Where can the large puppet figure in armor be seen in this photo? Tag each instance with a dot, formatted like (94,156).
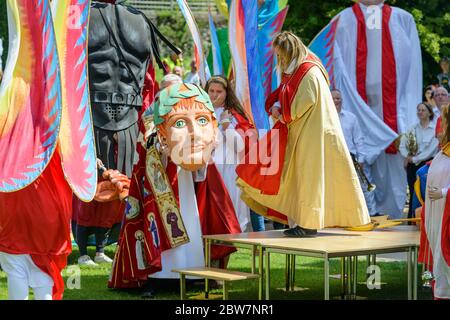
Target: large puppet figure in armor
(119,55)
(122,44)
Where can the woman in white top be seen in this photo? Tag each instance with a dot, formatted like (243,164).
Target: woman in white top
(234,127)
(426,147)
(435,247)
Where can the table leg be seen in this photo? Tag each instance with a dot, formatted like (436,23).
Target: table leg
(183,287)
(225,290)
(409,262)
(208,264)
(253,259)
(267,263)
(326,271)
(288,271)
(416,262)
(348,281)
(355,276)
(261,273)
(350,278)
(343,278)
(292,273)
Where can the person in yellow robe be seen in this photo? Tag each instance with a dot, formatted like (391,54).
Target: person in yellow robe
(310,177)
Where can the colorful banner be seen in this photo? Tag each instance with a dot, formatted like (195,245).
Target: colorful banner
(30,95)
(222,36)
(268,64)
(269,9)
(236,33)
(323,46)
(254,67)
(243,26)
(223,6)
(71,20)
(199,56)
(44,96)
(215,48)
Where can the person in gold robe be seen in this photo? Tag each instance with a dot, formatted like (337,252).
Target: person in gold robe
(309,177)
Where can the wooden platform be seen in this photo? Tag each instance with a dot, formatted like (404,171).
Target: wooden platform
(214,274)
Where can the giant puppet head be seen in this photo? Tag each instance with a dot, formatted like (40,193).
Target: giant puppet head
(186,123)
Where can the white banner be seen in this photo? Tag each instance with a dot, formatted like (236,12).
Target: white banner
(1,52)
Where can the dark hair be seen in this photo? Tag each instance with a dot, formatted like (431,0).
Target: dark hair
(429,108)
(430,87)
(444,59)
(231,101)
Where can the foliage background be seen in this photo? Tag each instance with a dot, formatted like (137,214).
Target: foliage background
(173,26)
(307,18)
(3,30)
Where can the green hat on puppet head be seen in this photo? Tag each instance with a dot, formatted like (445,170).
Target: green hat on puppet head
(170,96)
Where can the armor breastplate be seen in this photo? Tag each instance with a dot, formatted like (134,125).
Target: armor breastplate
(115,110)
(116,77)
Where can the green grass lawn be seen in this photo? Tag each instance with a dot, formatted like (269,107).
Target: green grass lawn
(309,277)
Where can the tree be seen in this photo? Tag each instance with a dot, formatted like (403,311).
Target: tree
(173,26)
(3,30)
(307,18)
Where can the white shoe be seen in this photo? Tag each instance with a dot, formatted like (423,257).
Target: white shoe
(102,258)
(86,261)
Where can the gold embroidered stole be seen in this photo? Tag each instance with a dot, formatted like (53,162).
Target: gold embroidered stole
(165,198)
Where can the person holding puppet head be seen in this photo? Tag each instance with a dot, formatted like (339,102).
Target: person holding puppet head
(176,194)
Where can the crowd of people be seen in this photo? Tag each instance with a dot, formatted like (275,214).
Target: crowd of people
(417,146)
